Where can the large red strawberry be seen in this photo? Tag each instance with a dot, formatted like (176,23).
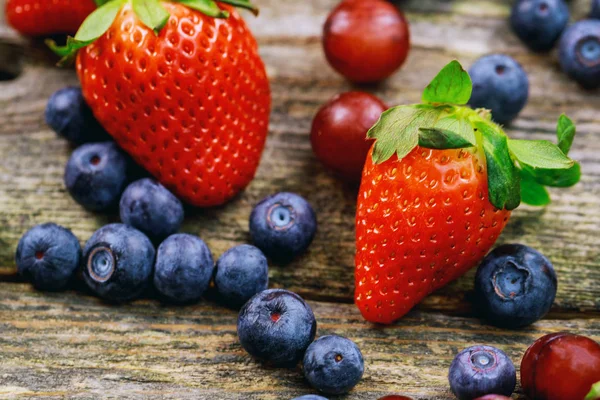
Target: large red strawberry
(181,90)
(47,17)
(437,190)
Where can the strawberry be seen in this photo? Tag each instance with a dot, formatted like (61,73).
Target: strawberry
(422,222)
(437,190)
(181,87)
(47,17)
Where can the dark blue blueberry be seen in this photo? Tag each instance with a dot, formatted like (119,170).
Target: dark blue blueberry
(283,226)
(118,261)
(515,286)
(242,272)
(580,53)
(68,115)
(595,13)
(500,85)
(539,23)
(480,370)
(333,364)
(150,207)
(184,268)
(310,397)
(47,256)
(276,326)
(96,175)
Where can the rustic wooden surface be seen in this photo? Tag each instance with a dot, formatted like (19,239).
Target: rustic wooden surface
(72,345)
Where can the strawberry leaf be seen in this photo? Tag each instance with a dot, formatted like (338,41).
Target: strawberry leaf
(594,394)
(68,50)
(397,130)
(242,4)
(438,138)
(550,166)
(517,170)
(565,130)
(533,193)
(151,13)
(98,22)
(539,154)
(459,125)
(207,7)
(553,177)
(504,180)
(94,26)
(451,86)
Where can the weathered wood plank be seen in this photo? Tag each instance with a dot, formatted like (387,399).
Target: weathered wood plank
(68,344)
(32,159)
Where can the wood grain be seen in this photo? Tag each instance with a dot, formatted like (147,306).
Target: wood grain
(32,159)
(70,345)
(54,345)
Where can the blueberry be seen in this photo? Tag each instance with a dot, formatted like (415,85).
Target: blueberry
(242,272)
(276,326)
(184,268)
(69,116)
(48,255)
(579,53)
(515,286)
(500,85)
(539,23)
(595,13)
(96,175)
(118,261)
(150,207)
(310,397)
(333,364)
(480,370)
(283,226)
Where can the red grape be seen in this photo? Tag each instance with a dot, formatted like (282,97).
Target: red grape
(339,132)
(366,40)
(560,366)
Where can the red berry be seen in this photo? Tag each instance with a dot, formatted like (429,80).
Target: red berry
(190,104)
(421,222)
(46,17)
(339,132)
(366,41)
(395,397)
(560,366)
(437,189)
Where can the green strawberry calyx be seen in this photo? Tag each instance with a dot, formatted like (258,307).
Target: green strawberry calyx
(150,12)
(518,170)
(594,394)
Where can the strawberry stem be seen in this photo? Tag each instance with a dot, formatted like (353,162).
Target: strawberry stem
(445,122)
(594,394)
(150,12)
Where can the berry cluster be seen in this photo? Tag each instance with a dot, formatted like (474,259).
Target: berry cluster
(278,327)
(557,366)
(446,156)
(541,24)
(119,262)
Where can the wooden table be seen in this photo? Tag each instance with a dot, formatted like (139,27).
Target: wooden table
(72,345)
